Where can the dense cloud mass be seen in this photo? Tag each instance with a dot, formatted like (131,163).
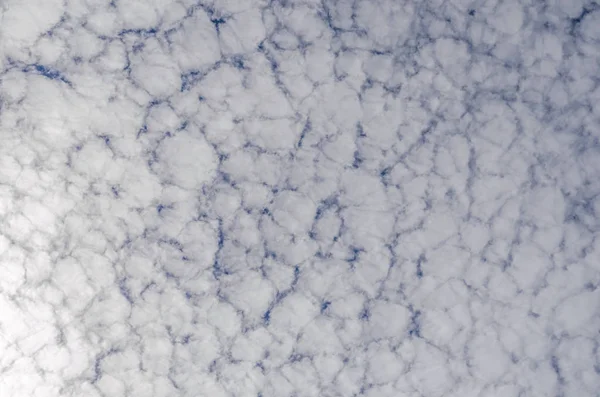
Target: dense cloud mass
(290,198)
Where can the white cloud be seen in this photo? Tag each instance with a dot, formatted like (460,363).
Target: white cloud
(305,198)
